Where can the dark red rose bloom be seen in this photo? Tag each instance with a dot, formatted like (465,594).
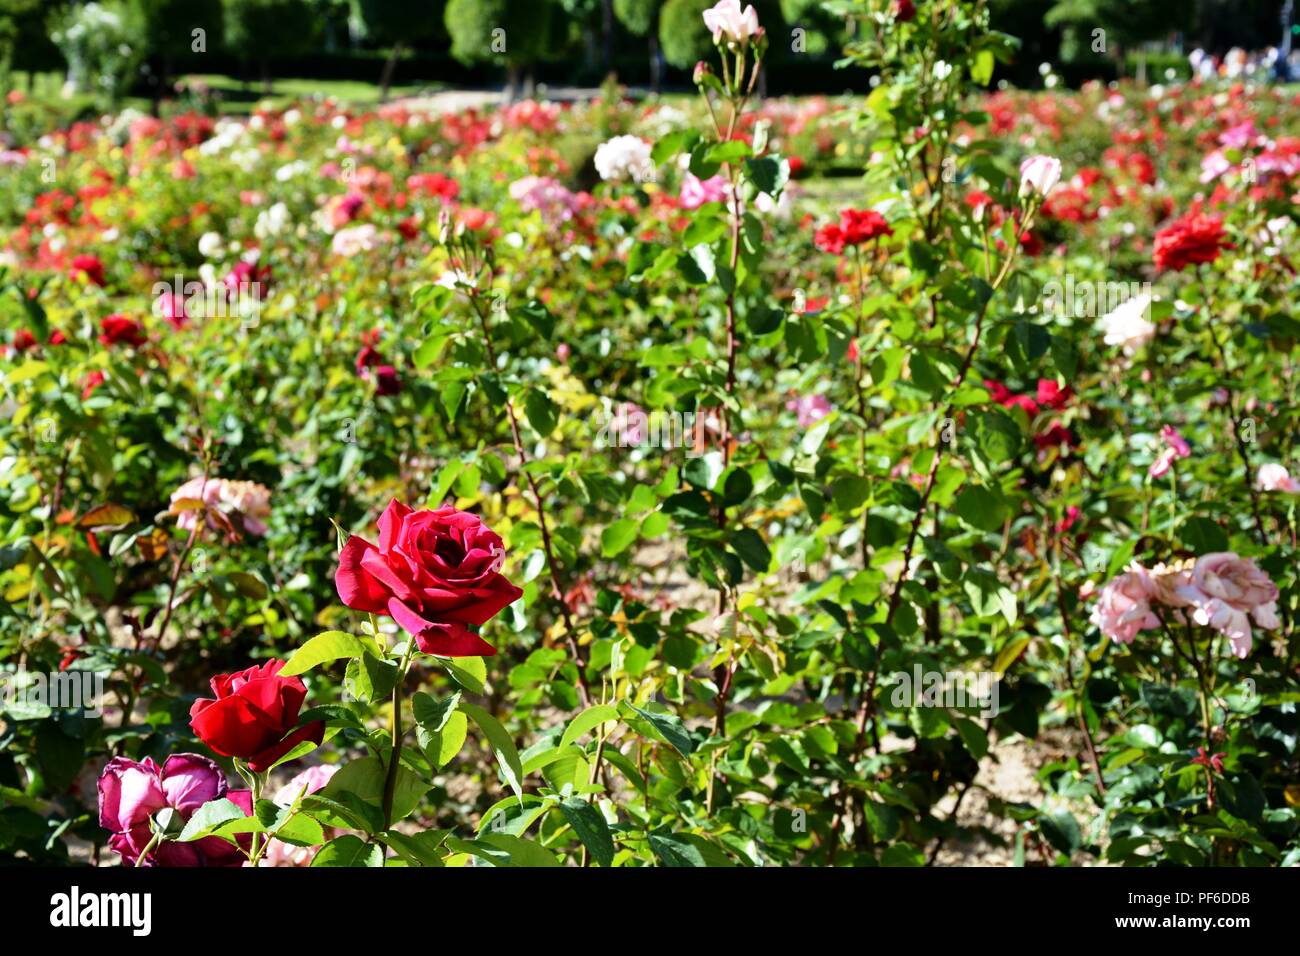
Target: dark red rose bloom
(367,357)
(387,381)
(904,10)
(1051,395)
(57,337)
(1193,239)
(89,266)
(829,239)
(90,383)
(863,225)
(1055,437)
(118,329)
(1009,399)
(24,340)
(436,573)
(247,279)
(254,715)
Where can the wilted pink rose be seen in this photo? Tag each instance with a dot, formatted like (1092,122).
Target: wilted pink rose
(246,502)
(1274,477)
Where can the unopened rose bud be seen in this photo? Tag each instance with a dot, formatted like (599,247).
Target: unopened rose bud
(701,71)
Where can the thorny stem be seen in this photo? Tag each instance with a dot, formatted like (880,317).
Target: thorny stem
(557,588)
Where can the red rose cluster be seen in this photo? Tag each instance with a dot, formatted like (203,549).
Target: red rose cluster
(855,227)
(370,361)
(1191,240)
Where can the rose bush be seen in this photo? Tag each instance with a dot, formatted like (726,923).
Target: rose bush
(682,454)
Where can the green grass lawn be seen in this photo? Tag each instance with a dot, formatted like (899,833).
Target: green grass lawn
(46,89)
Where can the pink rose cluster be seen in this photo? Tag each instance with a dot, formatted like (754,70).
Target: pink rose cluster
(1222,591)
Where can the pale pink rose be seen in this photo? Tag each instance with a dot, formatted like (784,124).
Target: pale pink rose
(356,239)
(1214,165)
(312,779)
(1273,477)
(726,19)
(1226,592)
(696,192)
(1124,605)
(1039,175)
(246,502)
(279,853)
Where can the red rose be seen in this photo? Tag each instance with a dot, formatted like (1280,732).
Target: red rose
(90,383)
(904,10)
(117,329)
(434,572)
(862,225)
(829,239)
(1051,395)
(387,381)
(24,340)
(253,714)
(1195,238)
(89,266)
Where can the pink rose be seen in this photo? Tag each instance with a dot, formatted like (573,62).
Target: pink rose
(1175,447)
(1124,605)
(1274,477)
(696,192)
(726,19)
(1226,592)
(1039,175)
(131,793)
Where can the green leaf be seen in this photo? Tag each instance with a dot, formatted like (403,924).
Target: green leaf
(370,679)
(502,746)
(1061,830)
(208,818)
(323,648)
(538,316)
(666,727)
(751,547)
(616,538)
(468,672)
(363,778)
(349,850)
(541,411)
(589,719)
(590,826)
(768,173)
(980,508)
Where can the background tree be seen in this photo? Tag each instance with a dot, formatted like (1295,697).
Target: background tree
(258,31)
(515,33)
(168,32)
(1126,23)
(399,22)
(641,18)
(682,35)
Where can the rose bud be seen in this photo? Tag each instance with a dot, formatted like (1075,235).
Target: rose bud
(254,715)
